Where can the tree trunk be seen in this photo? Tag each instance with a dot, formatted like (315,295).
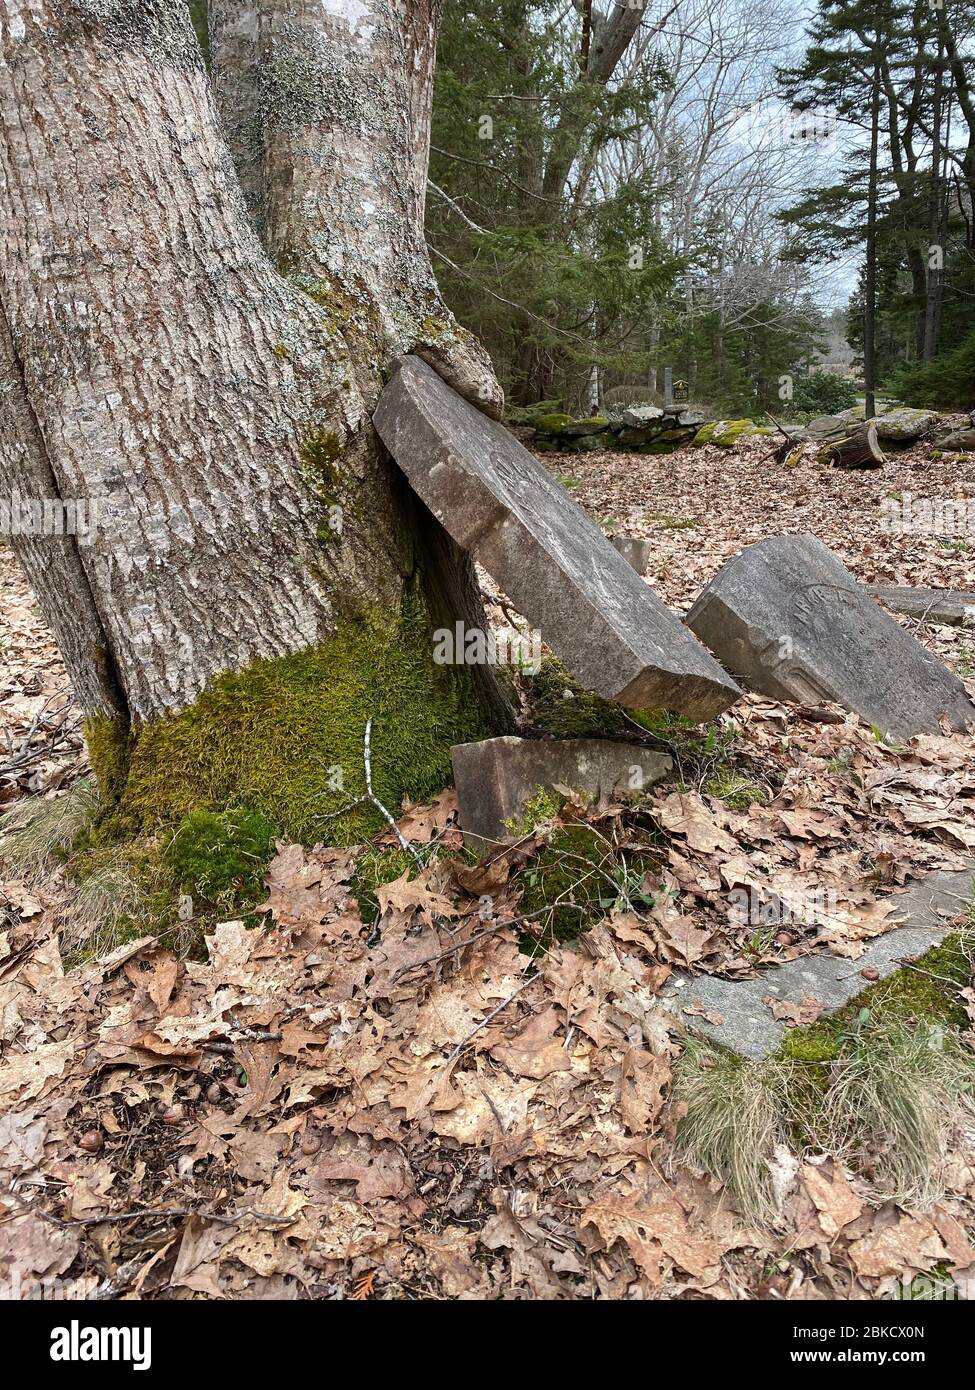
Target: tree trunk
(936,221)
(870,277)
(214,412)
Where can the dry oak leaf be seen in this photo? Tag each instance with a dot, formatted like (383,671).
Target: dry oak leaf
(487,1107)
(644,1079)
(406,895)
(294,892)
(31,1245)
(449,1257)
(382,1173)
(832,1195)
(697,1010)
(161,980)
(678,937)
(481,880)
(793,1014)
(685,813)
(448,1015)
(228,953)
(652,1230)
(31,1072)
(113,959)
(536,1050)
(847,931)
(419,824)
(349,1230)
(909,1244)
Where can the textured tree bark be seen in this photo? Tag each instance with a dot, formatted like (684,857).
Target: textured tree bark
(213,412)
(337,164)
(234,50)
(52,562)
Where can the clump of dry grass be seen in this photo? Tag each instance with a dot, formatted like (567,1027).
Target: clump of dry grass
(108,903)
(890,1104)
(885,1106)
(35,835)
(734,1119)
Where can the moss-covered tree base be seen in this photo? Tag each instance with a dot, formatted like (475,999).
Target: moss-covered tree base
(285,738)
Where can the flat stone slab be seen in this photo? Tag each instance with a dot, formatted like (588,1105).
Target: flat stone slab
(932,605)
(787,616)
(962,440)
(639,416)
(497,501)
(496,777)
(748,1026)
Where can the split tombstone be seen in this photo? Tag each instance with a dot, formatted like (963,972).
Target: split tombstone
(787,617)
(497,501)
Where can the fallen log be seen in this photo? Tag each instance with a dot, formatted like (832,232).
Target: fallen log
(857,450)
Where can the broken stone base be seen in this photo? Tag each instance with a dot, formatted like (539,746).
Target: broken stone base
(497,777)
(635,551)
(747,1025)
(788,617)
(930,605)
(496,501)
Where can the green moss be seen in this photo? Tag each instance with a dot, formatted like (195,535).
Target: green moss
(735,790)
(659,446)
(347,309)
(672,523)
(544,806)
(435,328)
(108,752)
(221,857)
(319,450)
(285,737)
(553,424)
(726,433)
(562,708)
(906,996)
(580,877)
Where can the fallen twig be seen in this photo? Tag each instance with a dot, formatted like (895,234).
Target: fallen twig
(372,799)
(488,931)
(529,979)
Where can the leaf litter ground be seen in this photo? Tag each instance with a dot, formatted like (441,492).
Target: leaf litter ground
(435,1104)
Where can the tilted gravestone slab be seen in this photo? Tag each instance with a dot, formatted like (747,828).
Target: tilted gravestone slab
(496,777)
(496,500)
(787,616)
